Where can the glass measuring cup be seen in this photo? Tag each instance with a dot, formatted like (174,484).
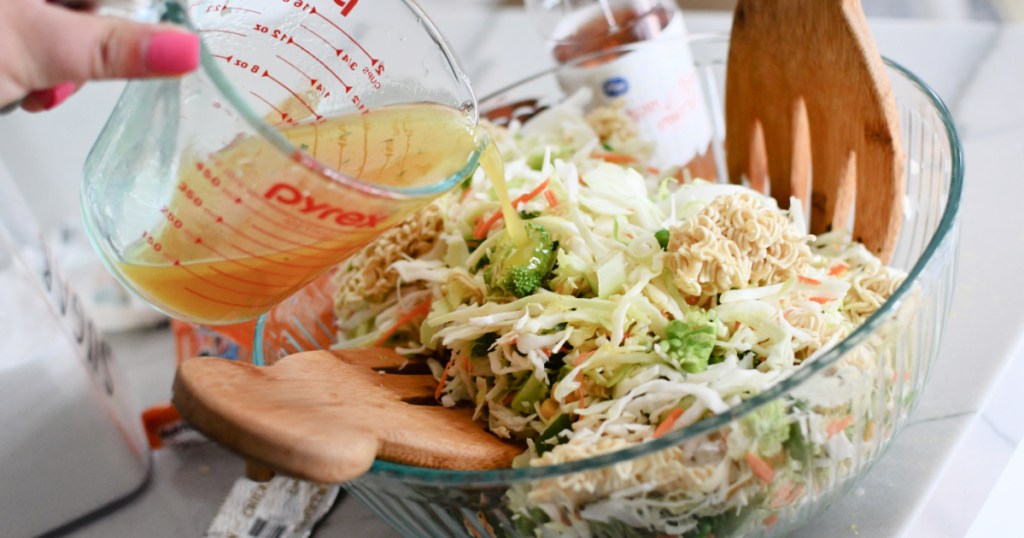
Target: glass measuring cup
(311,127)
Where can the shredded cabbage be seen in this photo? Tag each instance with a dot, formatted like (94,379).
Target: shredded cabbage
(608,345)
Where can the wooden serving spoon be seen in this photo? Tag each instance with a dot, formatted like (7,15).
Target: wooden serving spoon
(325,416)
(806,85)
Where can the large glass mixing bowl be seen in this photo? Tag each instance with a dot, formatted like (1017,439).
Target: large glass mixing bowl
(875,377)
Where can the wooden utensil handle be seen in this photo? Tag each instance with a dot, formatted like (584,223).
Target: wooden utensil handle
(255,413)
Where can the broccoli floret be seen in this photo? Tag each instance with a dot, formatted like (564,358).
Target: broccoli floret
(550,437)
(704,528)
(663,236)
(482,346)
(689,343)
(798,447)
(521,269)
(768,427)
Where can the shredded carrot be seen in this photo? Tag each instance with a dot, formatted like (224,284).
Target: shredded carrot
(419,310)
(795,494)
(582,357)
(838,425)
(581,394)
(781,494)
(735,326)
(444,377)
(667,424)
(692,300)
(770,520)
(484,225)
(820,300)
(839,269)
(532,194)
(809,280)
(616,158)
(760,468)
(653,171)
(552,200)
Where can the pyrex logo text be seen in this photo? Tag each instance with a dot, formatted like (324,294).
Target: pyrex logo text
(291,196)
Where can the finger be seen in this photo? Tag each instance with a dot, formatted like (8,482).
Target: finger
(81,47)
(49,98)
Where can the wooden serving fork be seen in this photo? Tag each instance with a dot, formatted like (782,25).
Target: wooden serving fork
(806,86)
(326,415)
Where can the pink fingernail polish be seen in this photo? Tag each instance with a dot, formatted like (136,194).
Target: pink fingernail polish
(172,53)
(51,97)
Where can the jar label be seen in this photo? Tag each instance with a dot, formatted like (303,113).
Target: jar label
(660,90)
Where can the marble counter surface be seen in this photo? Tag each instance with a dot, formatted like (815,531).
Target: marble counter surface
(939,475)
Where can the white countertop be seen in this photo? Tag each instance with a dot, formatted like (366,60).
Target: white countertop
(953,465)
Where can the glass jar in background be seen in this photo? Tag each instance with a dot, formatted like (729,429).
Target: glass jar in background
(668,106)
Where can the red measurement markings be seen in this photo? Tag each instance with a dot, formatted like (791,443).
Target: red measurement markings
(220,220)
(199,241)
(348,35)
(292,242)
(322,38)
(255,212)
(289,222)
(197,276)
(221,31)
(266,74)
(321,62)
(225,7)
(215,180)
(290,218)
(225,58)
(247,281)
(226,303)
(301,5)
(284,116)
(237,246)
(312,81)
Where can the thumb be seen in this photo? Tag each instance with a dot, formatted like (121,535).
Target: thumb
(81,47)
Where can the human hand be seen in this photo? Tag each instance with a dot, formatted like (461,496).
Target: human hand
(47,51)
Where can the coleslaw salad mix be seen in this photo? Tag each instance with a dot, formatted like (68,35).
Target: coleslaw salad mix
(643,302)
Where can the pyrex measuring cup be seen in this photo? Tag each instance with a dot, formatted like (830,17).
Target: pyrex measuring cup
(311,127)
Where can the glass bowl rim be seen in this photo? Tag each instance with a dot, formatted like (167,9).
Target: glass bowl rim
(943,232)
